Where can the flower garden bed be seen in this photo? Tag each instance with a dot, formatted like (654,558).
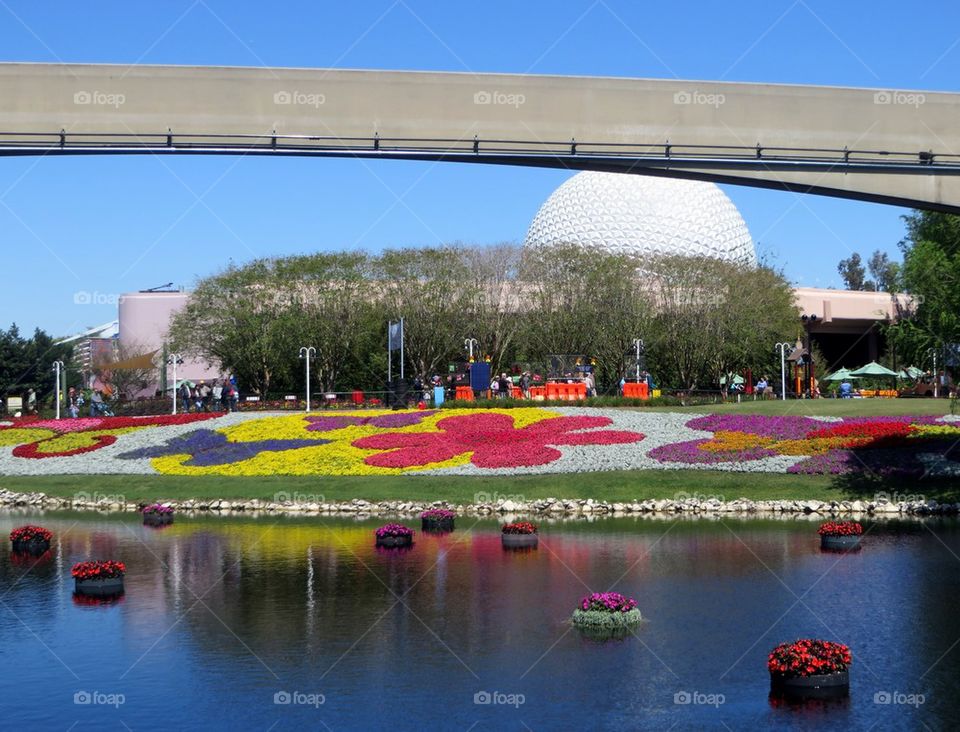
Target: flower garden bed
(519,535)
(810,668)
(99,578)
(524,440)
(840,535)
(437,520)
(607,611)
(393,536)
(157,514)
(30,539)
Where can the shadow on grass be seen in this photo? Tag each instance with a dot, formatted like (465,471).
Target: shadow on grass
(866,486)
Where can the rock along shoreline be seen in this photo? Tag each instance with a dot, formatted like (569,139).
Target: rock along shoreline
(880,506)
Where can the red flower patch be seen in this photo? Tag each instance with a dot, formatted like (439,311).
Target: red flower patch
(868,434)
(491,439)
(32,449)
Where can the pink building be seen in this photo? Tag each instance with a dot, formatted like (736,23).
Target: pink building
(144,326)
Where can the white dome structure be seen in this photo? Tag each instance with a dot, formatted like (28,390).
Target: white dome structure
(643,216)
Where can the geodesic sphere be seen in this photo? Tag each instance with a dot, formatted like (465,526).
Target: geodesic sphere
(643,216)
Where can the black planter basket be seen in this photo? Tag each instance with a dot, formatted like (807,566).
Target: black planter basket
(99,587)
(437,524)
(848,543)
(394,541)
(519,541)
(31,546)
(819,686)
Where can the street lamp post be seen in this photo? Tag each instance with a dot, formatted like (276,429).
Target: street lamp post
(58,367)
(174,359)
(936,375)
(783,368)
(638,345)
(306,353)
(470,344)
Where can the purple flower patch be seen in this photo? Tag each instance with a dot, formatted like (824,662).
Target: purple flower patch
(781,428)
(386,421)
(691,454)
(208,448)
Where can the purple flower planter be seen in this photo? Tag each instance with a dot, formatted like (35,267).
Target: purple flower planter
(394,541)
(437,524)
(157,519)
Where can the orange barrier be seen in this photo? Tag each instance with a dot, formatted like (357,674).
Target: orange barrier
(464,393)
(538,393)
(636,390)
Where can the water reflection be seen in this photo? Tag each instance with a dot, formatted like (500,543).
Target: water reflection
(221,614)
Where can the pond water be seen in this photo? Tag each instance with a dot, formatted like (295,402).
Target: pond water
(223,618)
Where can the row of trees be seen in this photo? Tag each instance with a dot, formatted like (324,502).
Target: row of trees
(699,318)
(930,273)
(25,363)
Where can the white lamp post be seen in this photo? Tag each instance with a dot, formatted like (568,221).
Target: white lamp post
(470,344)
(783,368)
(57,368)
(638,345)
(174,359)
(936,375)
(306,353)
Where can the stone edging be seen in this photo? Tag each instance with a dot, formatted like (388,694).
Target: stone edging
(554,507)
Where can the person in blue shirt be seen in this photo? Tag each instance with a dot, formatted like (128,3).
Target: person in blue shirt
(846,390)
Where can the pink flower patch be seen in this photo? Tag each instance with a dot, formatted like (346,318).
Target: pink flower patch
(492,440)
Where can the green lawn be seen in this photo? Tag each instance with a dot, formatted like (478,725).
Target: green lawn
(610,486)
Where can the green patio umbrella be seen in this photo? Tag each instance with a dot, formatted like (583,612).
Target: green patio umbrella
(840,375)
(873,369)
(911,372)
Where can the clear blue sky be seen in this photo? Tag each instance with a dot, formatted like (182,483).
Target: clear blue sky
(69,225)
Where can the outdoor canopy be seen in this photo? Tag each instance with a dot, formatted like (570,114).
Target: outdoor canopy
(873,369)
(840,375)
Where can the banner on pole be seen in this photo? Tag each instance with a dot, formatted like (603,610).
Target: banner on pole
(395,336)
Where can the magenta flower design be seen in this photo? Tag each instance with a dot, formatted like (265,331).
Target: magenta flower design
(492,441)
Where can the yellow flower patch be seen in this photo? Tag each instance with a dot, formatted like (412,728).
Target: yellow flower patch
(22,436)
(79,440)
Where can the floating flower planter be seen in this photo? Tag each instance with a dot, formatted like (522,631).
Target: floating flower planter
(840,535)
(394,535)
(30,539)
(607,611)
(99,578)
(810,669)
(437,519)
(519,535)
(157,515)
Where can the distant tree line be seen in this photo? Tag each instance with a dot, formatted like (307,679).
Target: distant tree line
(26,363)
(698,317)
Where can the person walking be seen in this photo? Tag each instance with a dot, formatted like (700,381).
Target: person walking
(184,393)
(31,401)
(216,394)
(504,384)
(525,384)
(73,409)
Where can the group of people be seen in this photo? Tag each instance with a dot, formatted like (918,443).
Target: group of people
(203,397)
(98,405)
